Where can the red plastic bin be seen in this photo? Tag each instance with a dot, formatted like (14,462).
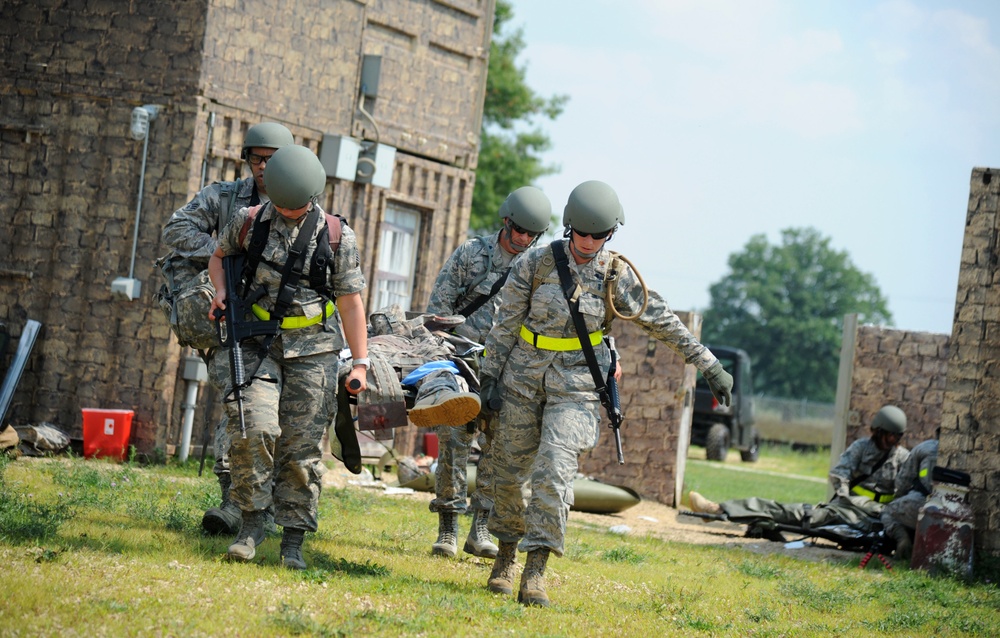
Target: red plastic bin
(431,444)
(106,433)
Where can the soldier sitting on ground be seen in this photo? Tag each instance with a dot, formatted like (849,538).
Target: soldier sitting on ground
(863,481)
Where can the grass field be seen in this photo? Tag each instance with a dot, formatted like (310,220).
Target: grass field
(99,549)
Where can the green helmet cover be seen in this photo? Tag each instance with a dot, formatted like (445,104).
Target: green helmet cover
(294,176)
(529,208)
(593,207)
(891,419)
(266,135)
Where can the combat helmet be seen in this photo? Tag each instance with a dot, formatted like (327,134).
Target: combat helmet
(294,176)
(266,135)
(890,419)
(529,208)
(593,207)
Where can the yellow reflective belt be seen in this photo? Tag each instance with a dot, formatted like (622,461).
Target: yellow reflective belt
(878,498)
(291,323)
(923,473)
(561,344)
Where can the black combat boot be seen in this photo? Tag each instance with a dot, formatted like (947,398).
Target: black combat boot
(226,518)
(291,548)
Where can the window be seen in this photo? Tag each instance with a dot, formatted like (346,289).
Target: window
(397,257)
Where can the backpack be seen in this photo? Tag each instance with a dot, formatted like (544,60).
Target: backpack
(186,297)
(547,264)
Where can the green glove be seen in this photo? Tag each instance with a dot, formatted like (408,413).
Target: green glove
(721,383)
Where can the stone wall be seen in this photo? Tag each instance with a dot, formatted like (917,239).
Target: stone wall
(970,423)
(72,73)
(902,368)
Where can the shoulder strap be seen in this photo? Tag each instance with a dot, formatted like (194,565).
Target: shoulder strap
(544,269)
(875,470)
(572,291)
(227,200)
(327,244)
(478,302)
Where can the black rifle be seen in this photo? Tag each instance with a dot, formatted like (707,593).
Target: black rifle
(240,325)
(612,402)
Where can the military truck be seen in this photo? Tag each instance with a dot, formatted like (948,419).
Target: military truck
(717,427)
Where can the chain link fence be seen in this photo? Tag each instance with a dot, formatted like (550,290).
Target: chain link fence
(794,421)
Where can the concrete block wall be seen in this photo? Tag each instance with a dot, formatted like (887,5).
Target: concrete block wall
(970,421)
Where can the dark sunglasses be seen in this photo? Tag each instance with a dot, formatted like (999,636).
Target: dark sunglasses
(524,231)
(256,159)
(594,235)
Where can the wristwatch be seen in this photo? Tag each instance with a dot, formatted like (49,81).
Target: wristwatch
(366,362)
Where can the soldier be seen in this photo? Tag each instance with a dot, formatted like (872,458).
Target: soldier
(913,486)
(536,369)
(189,233)
(293,398)
(863,481)
(468,286)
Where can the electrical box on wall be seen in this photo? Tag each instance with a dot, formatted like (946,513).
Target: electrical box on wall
(339,156)
(371,70)
(126,288)
(376,164)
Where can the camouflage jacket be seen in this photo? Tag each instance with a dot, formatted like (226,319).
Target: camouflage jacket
(918,468)
(471,271)
(543,310)
(858,462)
(345,279)
(191,231)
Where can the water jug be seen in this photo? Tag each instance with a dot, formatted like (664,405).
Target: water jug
(943,541)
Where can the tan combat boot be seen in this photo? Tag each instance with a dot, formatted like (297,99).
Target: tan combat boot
(447,541)
(502,577)
(479,542)
(249,538)
(445,407)
(532,592)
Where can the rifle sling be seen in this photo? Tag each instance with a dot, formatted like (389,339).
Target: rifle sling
(478,302)
(569,291)
(875,469)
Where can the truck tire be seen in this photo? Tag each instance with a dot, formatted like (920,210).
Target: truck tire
(752,454)
(717,442)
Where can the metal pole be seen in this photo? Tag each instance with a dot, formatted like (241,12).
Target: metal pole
(138,206)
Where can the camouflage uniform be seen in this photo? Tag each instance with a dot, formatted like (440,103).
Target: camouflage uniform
(853,507)
(470,271)
(189,234)
(293,397)
(913,484)
(550,413)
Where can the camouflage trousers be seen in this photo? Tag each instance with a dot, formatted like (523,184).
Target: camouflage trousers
(857,512)
(539,439)
(287,409)
(902,512)
(219,378)
(451,475)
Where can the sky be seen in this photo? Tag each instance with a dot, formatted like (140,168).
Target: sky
(715,120)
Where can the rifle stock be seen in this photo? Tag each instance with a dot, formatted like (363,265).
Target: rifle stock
(240,325)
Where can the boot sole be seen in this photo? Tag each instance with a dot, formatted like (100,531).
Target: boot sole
(447,552)
(532,601)
(454,412)
(500,589)
(484,553)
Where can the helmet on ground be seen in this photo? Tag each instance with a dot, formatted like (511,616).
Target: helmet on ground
(294,176)
(891,419)
(593,207)
(529,208)
(266,135)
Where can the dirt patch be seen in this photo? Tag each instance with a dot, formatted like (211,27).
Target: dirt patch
(649,518)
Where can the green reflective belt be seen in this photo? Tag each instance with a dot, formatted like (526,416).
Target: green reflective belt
(291,323)
(878,498)
(561,344)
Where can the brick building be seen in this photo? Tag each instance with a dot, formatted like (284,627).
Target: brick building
(72,73)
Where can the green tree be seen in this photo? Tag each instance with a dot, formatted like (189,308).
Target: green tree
(785,305)
(508,157)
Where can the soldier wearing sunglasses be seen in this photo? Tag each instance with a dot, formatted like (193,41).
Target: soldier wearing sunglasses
(536,371)
(468,285)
